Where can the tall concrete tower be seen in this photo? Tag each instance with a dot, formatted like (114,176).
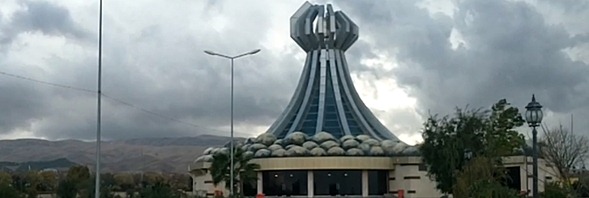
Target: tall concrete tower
(325,98)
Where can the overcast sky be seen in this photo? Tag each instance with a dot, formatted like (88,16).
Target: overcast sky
(412,57)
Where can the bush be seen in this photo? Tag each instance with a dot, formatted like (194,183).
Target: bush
(66,189)
(554,190)
(159,190)
(8,191)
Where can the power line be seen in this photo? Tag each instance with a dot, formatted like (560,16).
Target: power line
(146,111)
(128,104)
(47,83)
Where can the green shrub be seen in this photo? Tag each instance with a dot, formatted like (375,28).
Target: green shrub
(554,190)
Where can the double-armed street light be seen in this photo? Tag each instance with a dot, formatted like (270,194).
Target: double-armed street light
(534,118)
(231,155)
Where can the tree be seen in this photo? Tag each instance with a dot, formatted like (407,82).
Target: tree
(108,180)
(564,150)
(555,190)
(79,176)
(5,178)
(581,187)
(26,183)
(67,189)
(49,181)
(244,170)
(152,178)
(158,190)
(480,179)
(480,133)
(8,191)
(32,182)
(180,181)
(89,188)
(125,181)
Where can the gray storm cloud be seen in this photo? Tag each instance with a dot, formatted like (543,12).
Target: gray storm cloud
(158,67)
(48,18)
(153,60)
(510,51)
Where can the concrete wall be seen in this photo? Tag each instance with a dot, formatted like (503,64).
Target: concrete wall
(405,173)
(410,176)
(202,185)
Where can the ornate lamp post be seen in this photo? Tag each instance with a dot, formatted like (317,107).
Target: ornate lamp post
(232,140)
(534,118)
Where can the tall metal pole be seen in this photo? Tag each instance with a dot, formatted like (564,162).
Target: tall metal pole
(231,145)
(99,105)
(535,162)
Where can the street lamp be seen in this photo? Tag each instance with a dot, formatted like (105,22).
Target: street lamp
(534,118)
(99,104)
(232,140)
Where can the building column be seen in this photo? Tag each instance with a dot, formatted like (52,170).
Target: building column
(310,184)
(364,183)
(260,183)
(524,175)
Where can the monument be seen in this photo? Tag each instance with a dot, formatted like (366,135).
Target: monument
(327,142)
(325,98)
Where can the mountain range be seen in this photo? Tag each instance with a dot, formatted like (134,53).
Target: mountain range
(132,155)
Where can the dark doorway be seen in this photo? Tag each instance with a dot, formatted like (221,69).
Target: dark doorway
(513,178)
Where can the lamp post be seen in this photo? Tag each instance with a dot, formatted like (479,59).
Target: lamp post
(99,103)
(232,140)
(534,118)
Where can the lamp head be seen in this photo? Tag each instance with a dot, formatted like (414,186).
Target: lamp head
(254,51)
(211,53)
(534,113)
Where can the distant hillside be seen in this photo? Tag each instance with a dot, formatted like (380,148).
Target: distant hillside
(203,140)
(148,154)
(58,164)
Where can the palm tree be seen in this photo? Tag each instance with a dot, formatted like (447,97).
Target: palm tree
(245,171)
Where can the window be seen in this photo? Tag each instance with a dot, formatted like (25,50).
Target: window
(338,182)
(377,182)
(278,183)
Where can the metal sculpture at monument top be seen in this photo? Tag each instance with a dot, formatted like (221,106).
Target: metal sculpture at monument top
(325,99)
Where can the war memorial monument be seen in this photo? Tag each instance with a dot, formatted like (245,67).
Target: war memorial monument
(327,141)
